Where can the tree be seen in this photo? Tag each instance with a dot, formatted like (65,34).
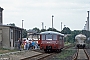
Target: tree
(87,33)
(42,30)
(36,29)
(66,30)
(11,24)
(24,34)
(71,37)
(50,29)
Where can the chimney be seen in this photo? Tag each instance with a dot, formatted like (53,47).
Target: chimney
(1,20)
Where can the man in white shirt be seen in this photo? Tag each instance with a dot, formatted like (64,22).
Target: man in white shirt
(27,44)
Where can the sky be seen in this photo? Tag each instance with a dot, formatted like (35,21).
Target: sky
(72,13)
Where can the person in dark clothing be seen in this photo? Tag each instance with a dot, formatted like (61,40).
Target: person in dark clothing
(30,45)
(19,44)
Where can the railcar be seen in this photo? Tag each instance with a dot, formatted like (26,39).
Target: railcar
(51,41)
(80,41)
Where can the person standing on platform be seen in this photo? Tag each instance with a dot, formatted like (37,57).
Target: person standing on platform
(30,45)
(36,45)
(19,44)
(27,44)
(33,44)
(24,43)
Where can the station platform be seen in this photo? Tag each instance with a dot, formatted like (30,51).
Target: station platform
(19,55)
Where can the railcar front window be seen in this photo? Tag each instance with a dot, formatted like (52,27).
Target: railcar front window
(54,37)
(43,37)
(48,37)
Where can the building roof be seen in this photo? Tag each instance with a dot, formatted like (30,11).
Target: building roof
(11,26)
(1,8)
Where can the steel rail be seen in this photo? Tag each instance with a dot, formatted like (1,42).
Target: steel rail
(86,54)
(75,56)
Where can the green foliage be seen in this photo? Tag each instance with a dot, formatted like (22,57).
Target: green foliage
(66,30)
(71,37)
(87,33)
(42,30)
(50,29)
(11,24)
(65,54)
(24,33)
(36,29)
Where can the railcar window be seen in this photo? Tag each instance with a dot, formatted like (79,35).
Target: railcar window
(43,37)
(61,38)
(48,37)
(54,37)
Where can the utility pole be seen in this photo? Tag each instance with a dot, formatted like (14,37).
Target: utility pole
(88,21)
(42,25)
(1,17)
(61,26)
(22,23)
(52,21)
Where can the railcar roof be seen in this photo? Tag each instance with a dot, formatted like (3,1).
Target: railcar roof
(51,32)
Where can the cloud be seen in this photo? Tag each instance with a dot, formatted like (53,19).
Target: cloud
(67,11)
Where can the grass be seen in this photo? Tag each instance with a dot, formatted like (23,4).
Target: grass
(66,53)
(66,44)
(3,50)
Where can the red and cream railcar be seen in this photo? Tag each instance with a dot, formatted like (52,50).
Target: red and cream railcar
(51,41)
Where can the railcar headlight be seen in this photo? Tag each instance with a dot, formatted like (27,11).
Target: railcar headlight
(48,42)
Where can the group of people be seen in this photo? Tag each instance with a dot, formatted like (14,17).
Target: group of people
(27,44)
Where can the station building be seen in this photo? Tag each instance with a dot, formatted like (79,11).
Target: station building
(9,34)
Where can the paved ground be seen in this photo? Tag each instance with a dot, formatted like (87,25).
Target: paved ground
(82,55)
(18,55)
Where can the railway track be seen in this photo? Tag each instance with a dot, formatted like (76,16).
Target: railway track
(81,54)
(30,55)
(38,57)
(43,55)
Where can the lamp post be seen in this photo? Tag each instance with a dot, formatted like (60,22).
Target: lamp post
(42,25)
(61,26)
(22,23)
(52,21)
(88,20)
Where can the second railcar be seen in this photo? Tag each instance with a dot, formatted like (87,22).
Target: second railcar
(51,41)
(80,41)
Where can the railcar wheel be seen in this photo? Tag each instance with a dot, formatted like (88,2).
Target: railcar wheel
(45,50)
(58,50)
(83,46)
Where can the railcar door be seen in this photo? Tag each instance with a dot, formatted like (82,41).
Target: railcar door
(60,41)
